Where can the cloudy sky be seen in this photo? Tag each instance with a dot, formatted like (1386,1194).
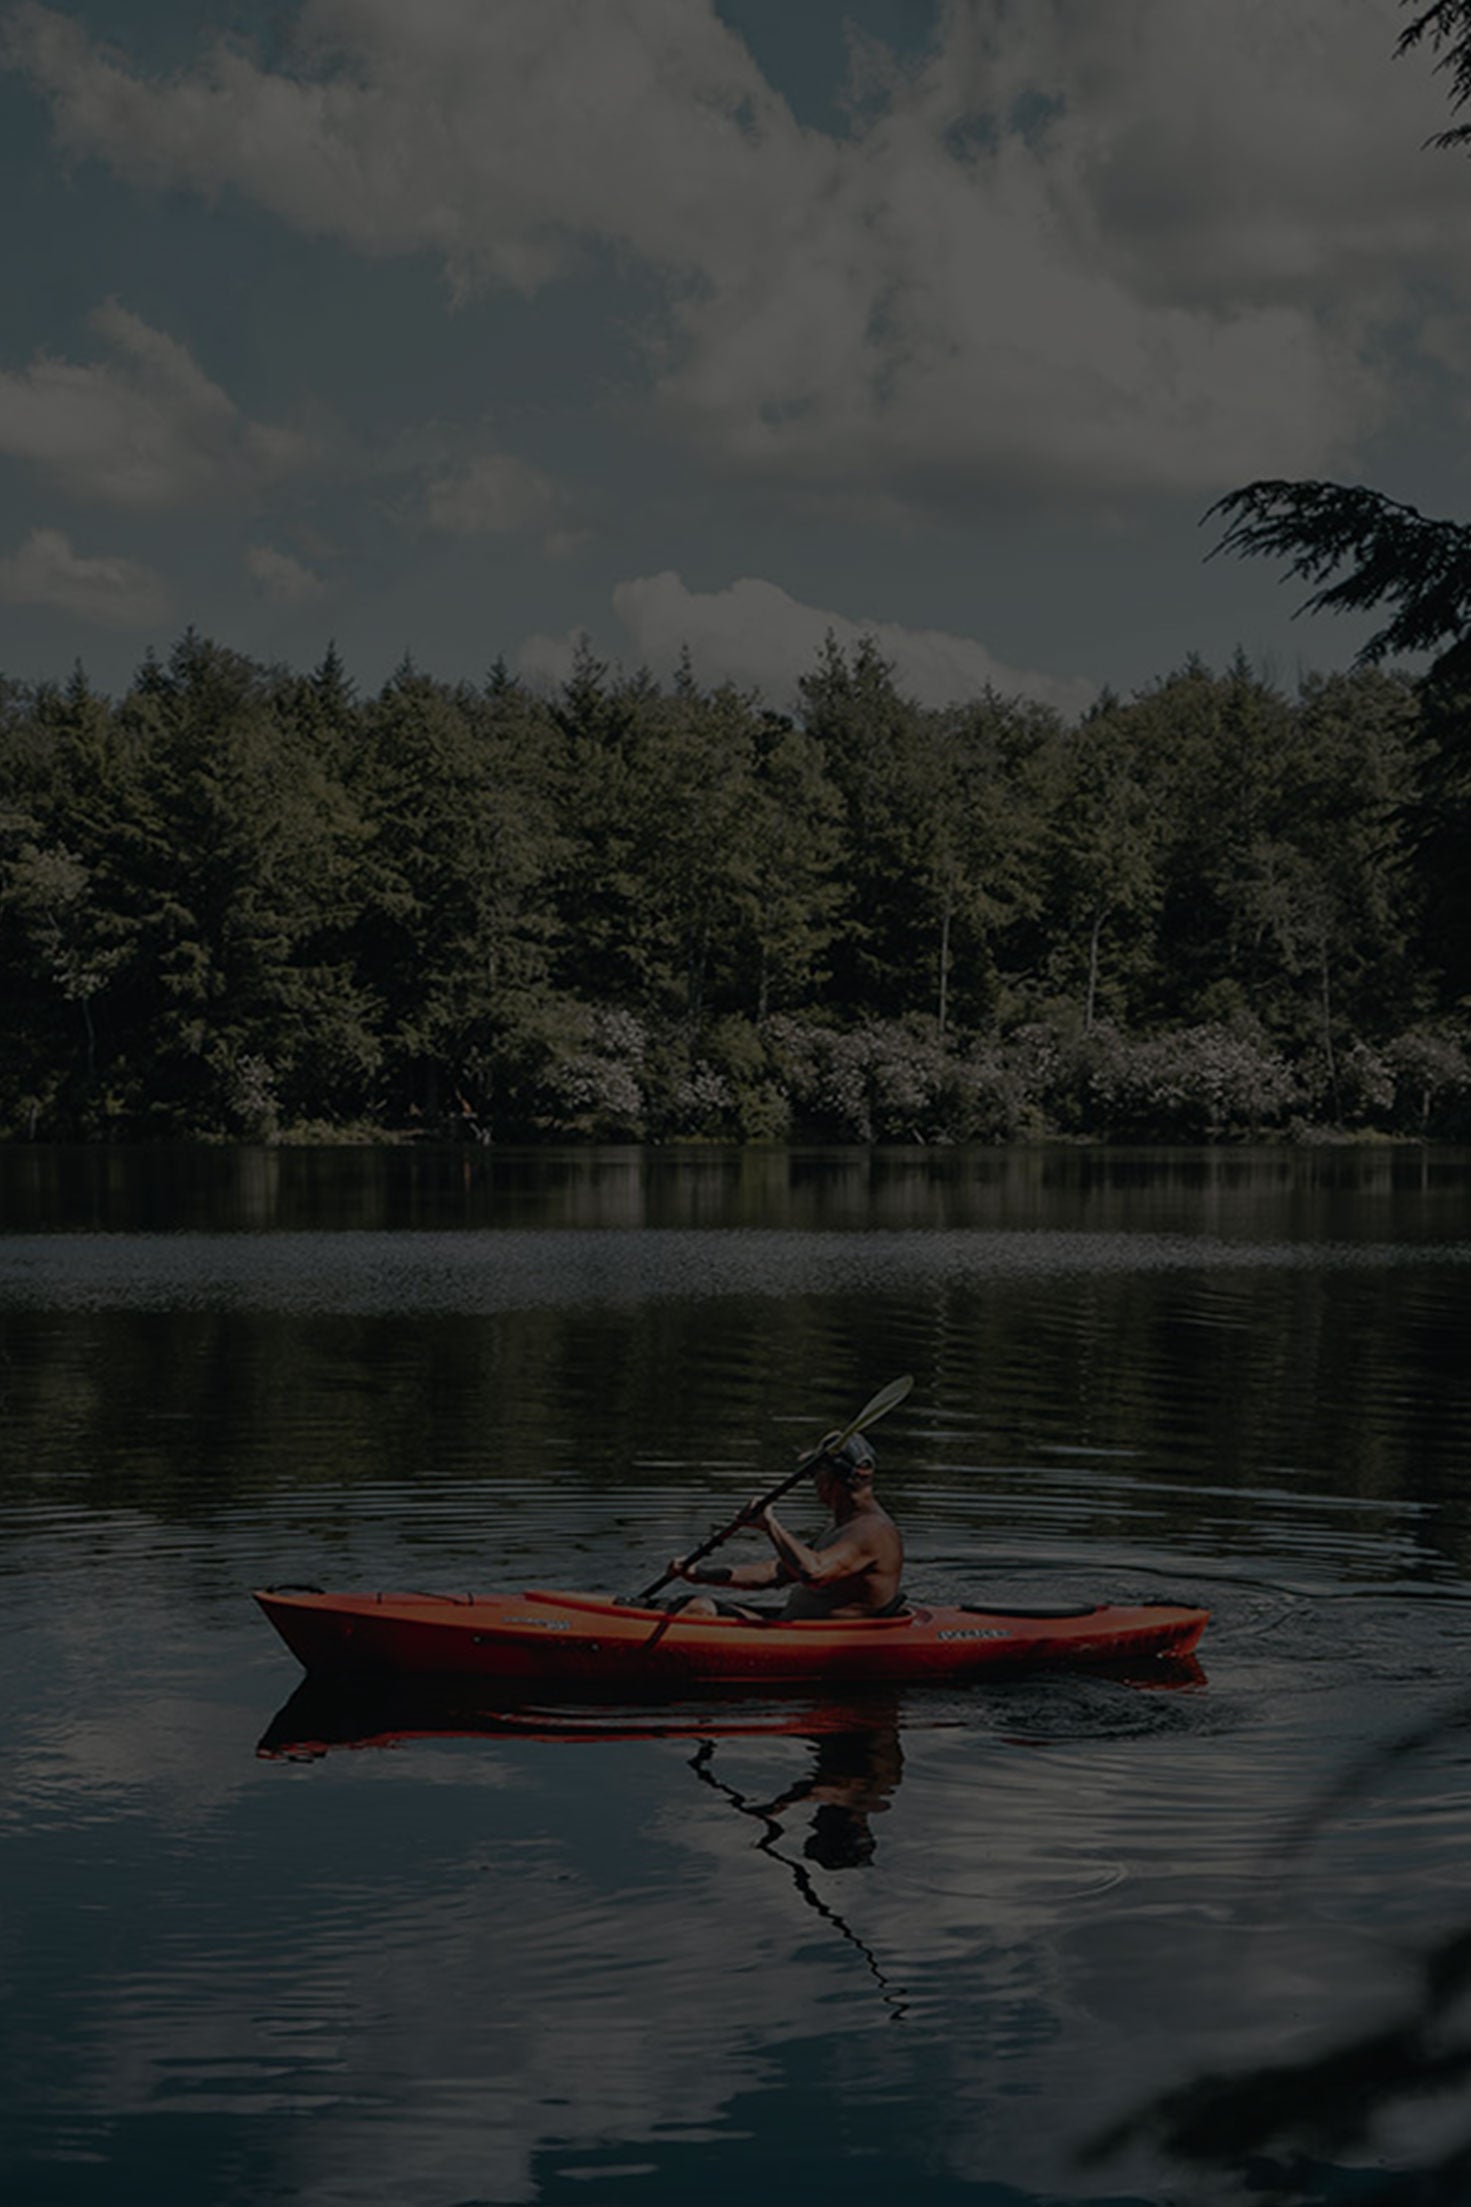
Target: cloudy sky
(464,326)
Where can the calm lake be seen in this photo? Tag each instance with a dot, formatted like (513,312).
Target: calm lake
(922,1946)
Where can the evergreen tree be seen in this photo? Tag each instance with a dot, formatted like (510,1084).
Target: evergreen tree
(454,927)
(56,885)
(793,888)
(1104,838)
(661,803)
(220,849)
(869,736)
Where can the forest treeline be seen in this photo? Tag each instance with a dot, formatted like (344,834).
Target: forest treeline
(241,901)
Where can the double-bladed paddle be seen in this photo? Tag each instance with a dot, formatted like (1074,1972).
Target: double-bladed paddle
(884,1401)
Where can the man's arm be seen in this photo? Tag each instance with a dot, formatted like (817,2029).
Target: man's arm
(816,1566)
(749,1576)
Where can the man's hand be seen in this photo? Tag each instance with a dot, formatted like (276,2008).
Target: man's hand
(682,1567)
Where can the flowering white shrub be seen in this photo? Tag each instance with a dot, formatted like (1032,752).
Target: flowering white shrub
(1431,1071)
(1197,1084)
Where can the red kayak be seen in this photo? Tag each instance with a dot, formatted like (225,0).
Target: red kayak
(560,1640)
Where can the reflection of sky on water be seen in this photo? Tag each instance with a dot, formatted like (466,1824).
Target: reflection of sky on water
(428,1273)
(452,1969)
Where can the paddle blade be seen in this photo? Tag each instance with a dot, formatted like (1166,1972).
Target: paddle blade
(887,1399)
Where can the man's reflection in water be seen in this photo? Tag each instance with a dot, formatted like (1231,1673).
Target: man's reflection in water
(853,1778)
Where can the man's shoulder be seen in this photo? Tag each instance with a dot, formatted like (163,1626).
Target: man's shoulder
(872,1529)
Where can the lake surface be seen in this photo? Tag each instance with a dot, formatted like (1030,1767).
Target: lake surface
(928,1944)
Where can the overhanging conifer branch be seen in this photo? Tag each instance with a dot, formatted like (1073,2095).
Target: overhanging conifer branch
(1446,27)
(1395,556)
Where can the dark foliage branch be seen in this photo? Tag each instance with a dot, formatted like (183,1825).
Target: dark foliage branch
(1277,2120)
(1266,2121)
(1395,556)
(1364,1772)
(1446,28)
(1262,2119)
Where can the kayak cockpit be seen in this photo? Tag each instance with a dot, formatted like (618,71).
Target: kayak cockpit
(600,1605)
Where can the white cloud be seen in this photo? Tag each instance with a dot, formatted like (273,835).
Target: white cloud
(118,593)
(501,138)
(284,580)
(757,636)
(1239,151)
(1175,282)
(146,430)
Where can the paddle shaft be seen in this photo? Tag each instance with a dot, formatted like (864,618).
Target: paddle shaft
(884,1401)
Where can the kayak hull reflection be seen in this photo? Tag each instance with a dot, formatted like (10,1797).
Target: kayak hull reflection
(546,1638)
(323,1714)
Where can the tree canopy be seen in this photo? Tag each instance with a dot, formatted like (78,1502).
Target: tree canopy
(239,901)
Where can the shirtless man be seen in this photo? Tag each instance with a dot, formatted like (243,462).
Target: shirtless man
(854,1570)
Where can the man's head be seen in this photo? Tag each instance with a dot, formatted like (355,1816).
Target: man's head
(850,1466)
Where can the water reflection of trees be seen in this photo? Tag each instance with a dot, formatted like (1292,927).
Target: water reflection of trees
(1239,1193)
(1340,1382)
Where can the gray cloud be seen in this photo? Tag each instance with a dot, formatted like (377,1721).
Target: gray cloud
(147,429)
(495,494)
(282,579)
(1234,152)
(117,593)
(501,140)
(1066,254)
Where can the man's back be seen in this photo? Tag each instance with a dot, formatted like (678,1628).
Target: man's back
(869,1546)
